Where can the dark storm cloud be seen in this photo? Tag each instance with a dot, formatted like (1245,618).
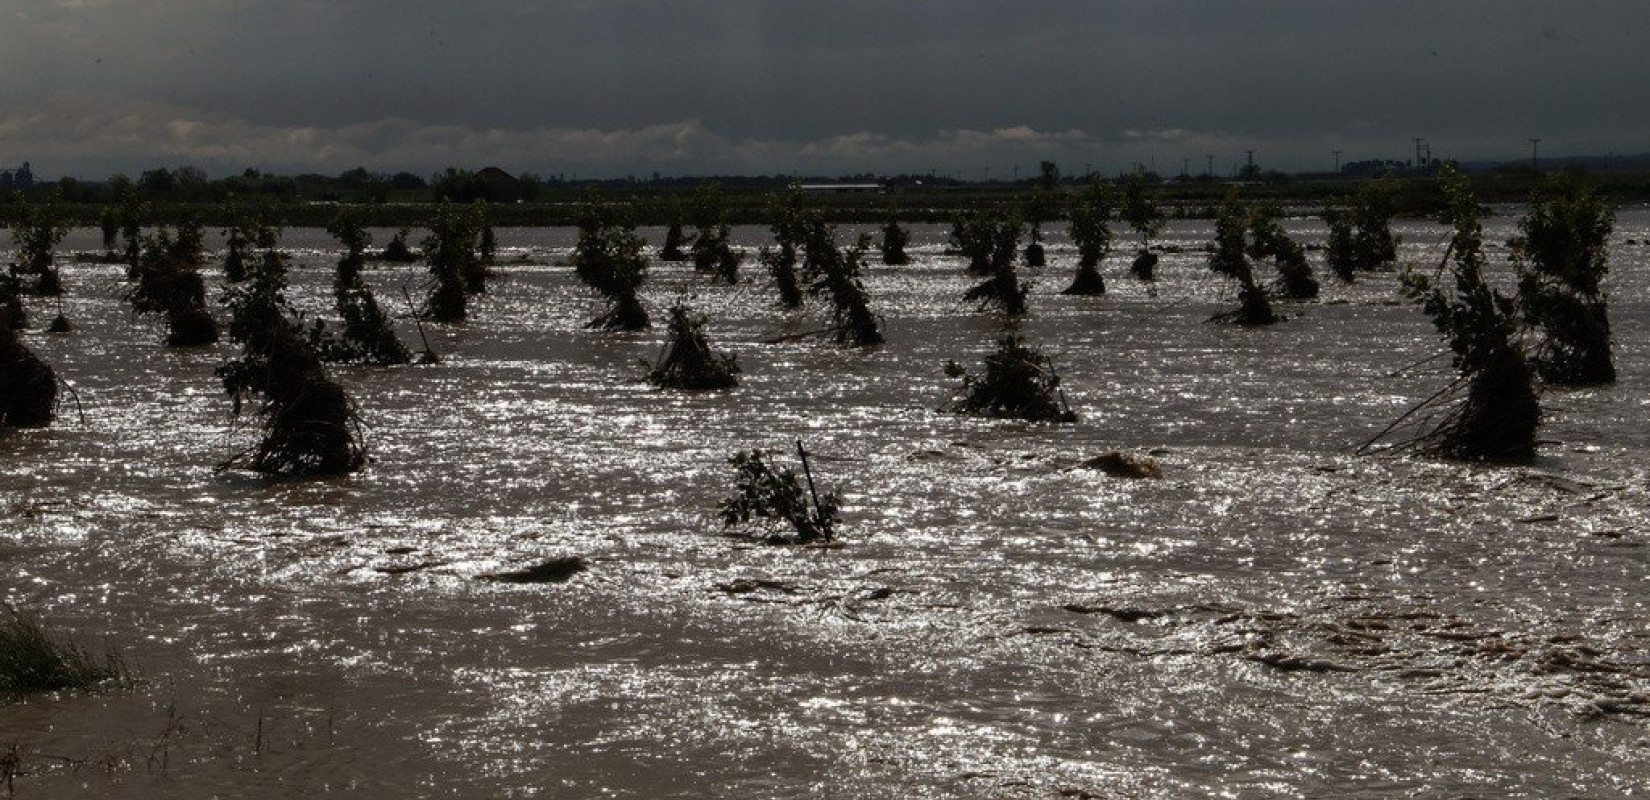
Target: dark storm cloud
(762,85)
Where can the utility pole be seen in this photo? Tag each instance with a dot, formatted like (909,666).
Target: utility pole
(1337,161)
(1535,155)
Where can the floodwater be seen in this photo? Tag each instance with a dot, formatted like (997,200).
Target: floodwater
(1278,617)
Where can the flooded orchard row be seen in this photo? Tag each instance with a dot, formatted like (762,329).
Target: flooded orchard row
(1276,617)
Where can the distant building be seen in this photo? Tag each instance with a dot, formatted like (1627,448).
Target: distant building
(497,186)
(20,178)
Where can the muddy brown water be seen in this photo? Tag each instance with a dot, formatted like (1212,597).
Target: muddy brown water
(1276,618)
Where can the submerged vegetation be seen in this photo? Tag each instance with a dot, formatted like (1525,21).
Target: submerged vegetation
(33,660)
(1146,218)
(450,249)
(1231,259)
(1268,239)
(833,273)
(1019,383)
(28,385)
(778,496)
(1561,253)
(169,283)
(712,250)
(990,240)
(894,240)
(610,258)
(688,362)
(310,427)
(38,230)
(1360,232)
(1491,412)
(1090,230)
(366,334)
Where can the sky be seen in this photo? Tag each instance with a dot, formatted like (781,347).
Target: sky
(969,88)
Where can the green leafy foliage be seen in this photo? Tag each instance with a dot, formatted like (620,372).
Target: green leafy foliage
(1019,383)
(1090,230)
(1268,239)
(1231,259)
(688,362)
(778,496)
(37,231)
(1492,412)
(609,257)
(450,249)
(1561,255)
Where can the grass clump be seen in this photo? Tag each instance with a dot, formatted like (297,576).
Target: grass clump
(777,495)
(1491,412)
(32,660)
(1019,383)
(688,362)
(609,258)
(1560,253)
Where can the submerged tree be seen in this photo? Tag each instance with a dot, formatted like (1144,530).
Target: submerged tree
(687,361)
(674,238)
(1268,239)
(397,250)
(1561,252)
(1230,258)
(1360,234)
(1142,214)
(1019,383)
(451,251)
(1491,412)
(764,492)
(988,239)
(894,240)
(12,313)
(609,258)
(1040,208)
(366,334)
(1002,287)
(310,427)
(833,273)
(131,212)
(38,231)
(249,230)
(28,386)
(1091,230)
(791,222)
(169,282)
(1339,250)
(712,251)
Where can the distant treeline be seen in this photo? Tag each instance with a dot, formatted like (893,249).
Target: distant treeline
(404,199)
